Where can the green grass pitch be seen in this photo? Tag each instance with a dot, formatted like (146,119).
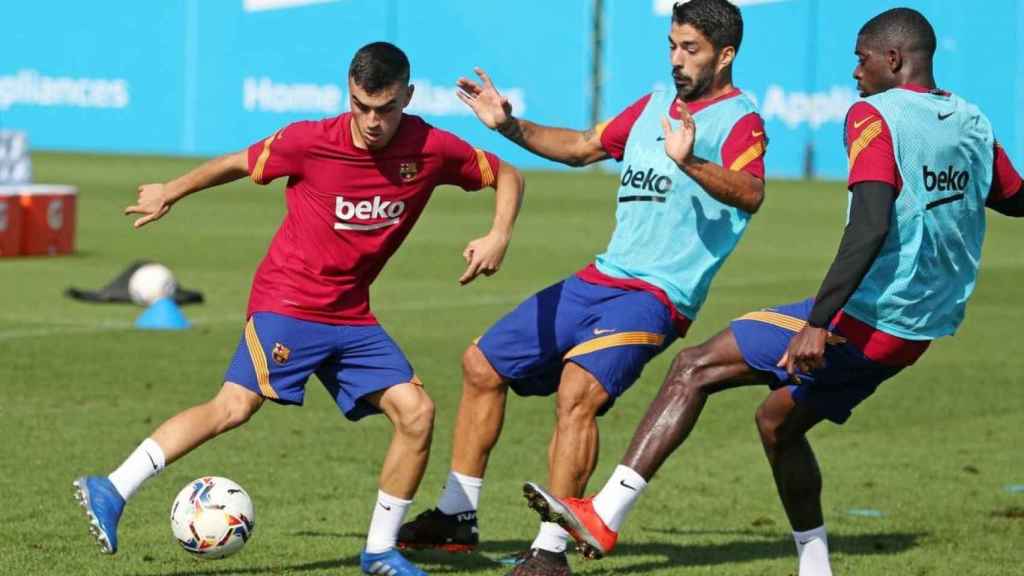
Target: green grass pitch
(935,450)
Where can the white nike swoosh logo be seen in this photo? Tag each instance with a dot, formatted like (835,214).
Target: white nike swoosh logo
(375,226)
(858,123)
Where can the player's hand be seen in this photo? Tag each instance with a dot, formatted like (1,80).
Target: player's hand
(487,103)
(483,256)
(806,352)
(153,203)
(679,142)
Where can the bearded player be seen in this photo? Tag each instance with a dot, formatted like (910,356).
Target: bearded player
(683,204)
(923,166)
(356,185)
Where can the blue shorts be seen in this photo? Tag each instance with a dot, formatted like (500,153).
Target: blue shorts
(847,378)
(277,354)
(610,332)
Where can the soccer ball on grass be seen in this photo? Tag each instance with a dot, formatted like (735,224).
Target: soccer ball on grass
(212,517)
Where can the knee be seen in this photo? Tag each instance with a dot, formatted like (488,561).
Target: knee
(768,427)
(689,374)
(572,415)
(235,405)
(576,408)
(416,419)
(477,372)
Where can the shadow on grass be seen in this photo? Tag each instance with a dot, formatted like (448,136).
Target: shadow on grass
(756,545)
(437,562)
(350,565)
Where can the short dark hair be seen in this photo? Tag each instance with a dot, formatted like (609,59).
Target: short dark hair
(903,26)
(719,20)
(379,65)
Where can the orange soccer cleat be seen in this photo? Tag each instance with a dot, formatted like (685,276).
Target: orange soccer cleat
(577,516)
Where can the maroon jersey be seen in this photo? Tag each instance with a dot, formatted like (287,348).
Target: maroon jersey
(348,210)
(743,150)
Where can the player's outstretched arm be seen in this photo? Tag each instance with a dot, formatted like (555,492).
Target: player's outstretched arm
(738,189)
(572,147)
(484,255)
(155,200)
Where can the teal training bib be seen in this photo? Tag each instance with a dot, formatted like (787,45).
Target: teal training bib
(919,284)
(668,231)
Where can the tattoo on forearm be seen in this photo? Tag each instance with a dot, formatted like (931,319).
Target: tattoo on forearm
(515,130)
(589,135)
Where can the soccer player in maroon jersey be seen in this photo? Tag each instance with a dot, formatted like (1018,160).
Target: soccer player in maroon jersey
(356,185)
(822,356)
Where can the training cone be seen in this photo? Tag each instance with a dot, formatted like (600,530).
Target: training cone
(163,314)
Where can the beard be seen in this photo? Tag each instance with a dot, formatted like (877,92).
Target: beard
(689,88)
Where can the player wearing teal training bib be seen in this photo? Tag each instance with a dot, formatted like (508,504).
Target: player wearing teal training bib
(691,175)
(923,167)
(669,231)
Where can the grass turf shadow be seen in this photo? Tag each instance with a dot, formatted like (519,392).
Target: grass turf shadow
(764,546)
(438,562)
(755,545)
(671,554)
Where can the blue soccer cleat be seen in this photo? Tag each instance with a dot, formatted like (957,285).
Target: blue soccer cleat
(389,563)
(103,505)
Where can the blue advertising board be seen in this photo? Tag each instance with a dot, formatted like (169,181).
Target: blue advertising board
(206,77)
(93,76)
(192,77)
(796,60)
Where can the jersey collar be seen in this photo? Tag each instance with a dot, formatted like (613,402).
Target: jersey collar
(698,105)
(922,89)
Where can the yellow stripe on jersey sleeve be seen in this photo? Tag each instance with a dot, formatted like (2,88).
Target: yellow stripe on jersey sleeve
(261,161)
(749,155)
(486,174)
(870,133)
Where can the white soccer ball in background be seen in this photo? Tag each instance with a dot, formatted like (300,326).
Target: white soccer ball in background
(150,283)
(212,517)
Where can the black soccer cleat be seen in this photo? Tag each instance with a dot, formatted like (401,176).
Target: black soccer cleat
(434,529)
(542,563)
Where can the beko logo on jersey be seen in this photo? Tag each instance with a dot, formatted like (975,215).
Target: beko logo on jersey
(367,214)
(649,181)
(948,179)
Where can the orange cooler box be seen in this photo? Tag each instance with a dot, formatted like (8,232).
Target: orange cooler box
(47,219)
(10,221)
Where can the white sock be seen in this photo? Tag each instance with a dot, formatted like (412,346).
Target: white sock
(551,537)
(618,496)
(388,513)
(145,462)
(461,493)
(812,548)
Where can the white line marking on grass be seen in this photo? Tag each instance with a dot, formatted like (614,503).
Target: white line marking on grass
(47,332)
(57,327)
